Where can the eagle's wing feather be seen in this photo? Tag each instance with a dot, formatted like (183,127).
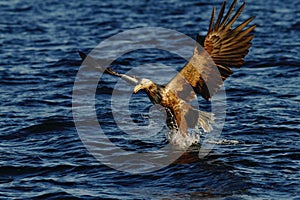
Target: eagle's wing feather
(88,60)
(224,46)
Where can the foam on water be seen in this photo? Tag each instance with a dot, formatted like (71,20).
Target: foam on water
(224,142)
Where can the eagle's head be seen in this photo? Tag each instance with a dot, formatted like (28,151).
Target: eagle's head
(144,84)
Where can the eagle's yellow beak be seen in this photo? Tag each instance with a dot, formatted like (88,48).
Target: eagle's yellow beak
(137,88)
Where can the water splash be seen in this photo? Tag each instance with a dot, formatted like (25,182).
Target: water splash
(183,141)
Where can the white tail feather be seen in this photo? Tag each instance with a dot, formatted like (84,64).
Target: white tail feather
(206,120)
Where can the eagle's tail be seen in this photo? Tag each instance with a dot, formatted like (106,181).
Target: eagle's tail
(206,119)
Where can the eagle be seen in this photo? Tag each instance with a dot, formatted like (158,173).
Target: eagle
(223,48)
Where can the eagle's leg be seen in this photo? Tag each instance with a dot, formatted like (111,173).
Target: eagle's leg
(171,120)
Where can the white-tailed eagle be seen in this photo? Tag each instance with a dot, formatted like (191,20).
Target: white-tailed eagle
(225,45)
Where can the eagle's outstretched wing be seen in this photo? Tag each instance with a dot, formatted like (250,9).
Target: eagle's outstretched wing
(224,46)
(91,62)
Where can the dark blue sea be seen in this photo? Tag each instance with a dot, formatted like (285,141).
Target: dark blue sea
(42,156)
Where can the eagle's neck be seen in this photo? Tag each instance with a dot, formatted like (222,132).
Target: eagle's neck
(154,93)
